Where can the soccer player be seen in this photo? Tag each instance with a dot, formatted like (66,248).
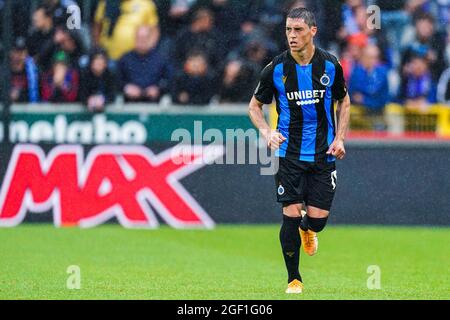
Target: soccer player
(305,81)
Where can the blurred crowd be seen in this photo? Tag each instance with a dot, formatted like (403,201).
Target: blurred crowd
(195,52)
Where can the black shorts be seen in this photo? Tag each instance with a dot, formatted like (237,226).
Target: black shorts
(299,181)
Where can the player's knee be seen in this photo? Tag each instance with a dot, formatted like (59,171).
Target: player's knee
(317,224)
(292,210)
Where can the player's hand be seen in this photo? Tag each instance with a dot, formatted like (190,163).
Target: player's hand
(337,149)
(275,140)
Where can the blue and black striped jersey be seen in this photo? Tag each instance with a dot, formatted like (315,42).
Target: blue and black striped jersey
(304,96)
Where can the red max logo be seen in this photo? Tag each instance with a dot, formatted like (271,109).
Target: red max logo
(127,182)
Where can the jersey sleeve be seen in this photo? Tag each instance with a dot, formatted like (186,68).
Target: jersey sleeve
(265,89)
(339,88)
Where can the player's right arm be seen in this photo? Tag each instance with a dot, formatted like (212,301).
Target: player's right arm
(264,95)
(274,138)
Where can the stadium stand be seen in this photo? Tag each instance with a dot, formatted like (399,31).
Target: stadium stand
(398,80)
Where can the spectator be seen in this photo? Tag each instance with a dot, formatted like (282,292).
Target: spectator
(61,82)
(65,40)
(328,26)
(426,39)
(414,6)
(97,82)
(257,52)
(374,36)
(40,40)
(254,44)
(238,82)
(70,42)
(368,84)
(394,19)
(60,15)
(251,29)
(173,15)
(199,36)
(229,15)
(24,74)
(19,19)
(195,84)
(352,53)
(417,89)
(443,90)
(145,71)
(349,25)
(116,23)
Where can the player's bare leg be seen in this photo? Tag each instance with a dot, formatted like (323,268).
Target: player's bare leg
(313,221)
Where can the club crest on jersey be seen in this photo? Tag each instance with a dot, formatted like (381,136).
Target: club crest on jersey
(325,80)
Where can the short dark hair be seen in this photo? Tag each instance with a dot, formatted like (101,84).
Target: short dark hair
(47,11)
(420,15)
(303,13)
(195,53)
(201,11)
(98,51)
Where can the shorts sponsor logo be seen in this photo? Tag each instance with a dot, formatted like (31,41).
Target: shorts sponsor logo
(280,190)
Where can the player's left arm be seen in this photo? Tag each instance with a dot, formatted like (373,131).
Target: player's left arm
(339,91)
(337,148)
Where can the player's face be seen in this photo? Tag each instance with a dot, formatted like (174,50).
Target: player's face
(299,34)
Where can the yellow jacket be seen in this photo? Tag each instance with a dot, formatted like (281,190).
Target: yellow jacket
(134,13)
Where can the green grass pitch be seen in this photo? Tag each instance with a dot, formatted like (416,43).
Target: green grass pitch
(229,262)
